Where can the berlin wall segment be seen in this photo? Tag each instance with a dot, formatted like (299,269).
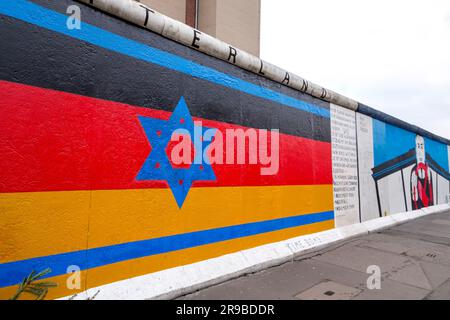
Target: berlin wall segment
(125,153)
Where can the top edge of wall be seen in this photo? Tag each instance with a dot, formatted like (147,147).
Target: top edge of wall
(145,17)
(379,115)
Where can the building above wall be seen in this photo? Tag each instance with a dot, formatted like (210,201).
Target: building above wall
(233,21)
(176,9)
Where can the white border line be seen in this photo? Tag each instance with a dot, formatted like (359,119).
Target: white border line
(175,282)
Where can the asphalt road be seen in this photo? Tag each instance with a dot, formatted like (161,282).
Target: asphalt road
(413,261)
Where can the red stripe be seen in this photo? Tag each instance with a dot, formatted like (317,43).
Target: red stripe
(53,140)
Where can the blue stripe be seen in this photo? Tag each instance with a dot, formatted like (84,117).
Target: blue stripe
(37,15)
(12,273)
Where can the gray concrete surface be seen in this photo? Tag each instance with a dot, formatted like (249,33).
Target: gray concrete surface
(414,260)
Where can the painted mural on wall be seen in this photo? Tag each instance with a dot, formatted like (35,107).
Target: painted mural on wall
(125,153)
(406,171)
(88,178)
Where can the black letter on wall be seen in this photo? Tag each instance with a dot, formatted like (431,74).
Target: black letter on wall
(194,42)
(233,53)
(304,86)
(147,10)
(260,69)
(286,79)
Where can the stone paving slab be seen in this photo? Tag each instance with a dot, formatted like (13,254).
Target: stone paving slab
(414,261)
(419,249)
(329,290)
(440,293)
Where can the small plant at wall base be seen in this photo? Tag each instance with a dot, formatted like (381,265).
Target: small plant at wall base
(29,285)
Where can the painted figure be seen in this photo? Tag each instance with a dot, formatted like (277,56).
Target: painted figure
(421,178)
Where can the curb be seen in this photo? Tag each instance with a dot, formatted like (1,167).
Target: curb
(179,281)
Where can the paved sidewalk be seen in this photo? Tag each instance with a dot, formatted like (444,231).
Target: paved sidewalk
(414,259)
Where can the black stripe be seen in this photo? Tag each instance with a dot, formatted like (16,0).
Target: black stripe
(39,57)
(133,32)
(380,212)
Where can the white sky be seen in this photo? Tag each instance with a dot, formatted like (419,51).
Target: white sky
(393,55)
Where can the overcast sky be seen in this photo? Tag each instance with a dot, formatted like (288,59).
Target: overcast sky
(393,55)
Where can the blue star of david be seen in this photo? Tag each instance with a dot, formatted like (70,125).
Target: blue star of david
(158,167)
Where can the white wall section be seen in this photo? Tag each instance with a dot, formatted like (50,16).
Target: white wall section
(345,166)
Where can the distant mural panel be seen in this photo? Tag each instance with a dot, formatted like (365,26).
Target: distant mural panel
(406,171)
(88,177)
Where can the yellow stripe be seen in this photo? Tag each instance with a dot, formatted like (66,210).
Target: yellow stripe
(45,223)
(132,268)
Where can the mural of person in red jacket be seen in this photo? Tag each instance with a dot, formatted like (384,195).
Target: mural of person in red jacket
(421,178)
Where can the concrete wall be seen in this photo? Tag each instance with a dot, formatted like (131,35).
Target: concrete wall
(86,190)
(379,170)
(402,179)
(86,178)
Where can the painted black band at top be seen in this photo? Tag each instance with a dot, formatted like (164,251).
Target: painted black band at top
(48,59)
(133,32)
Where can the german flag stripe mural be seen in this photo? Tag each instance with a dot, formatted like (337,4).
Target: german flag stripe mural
(91,131)
(89,173)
